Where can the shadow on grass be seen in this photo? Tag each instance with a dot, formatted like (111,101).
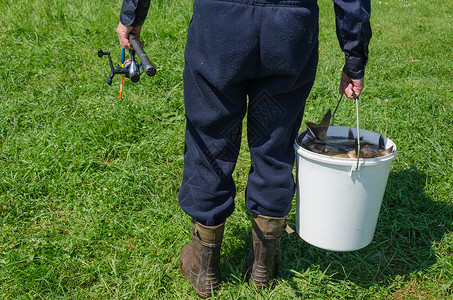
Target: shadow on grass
(410,223)
(234,258)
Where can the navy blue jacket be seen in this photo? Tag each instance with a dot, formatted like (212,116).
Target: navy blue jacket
(352,23)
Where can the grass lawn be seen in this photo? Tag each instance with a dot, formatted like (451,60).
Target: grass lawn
(89,184)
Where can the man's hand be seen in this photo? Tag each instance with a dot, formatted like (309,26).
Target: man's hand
(123,35)
(349,85)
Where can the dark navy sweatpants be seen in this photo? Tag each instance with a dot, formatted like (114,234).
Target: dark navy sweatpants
(263,51)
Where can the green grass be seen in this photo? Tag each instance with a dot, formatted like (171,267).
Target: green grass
(89,184)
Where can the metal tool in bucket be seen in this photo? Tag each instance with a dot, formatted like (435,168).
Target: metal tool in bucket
(339,199)
(358,128)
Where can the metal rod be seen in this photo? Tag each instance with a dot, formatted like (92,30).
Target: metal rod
(358,128)
(335,111)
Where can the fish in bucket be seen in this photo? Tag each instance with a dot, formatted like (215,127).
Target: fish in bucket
(339,193)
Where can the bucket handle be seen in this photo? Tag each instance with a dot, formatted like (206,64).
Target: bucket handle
(357,167)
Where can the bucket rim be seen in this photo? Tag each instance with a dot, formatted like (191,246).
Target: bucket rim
(346,161)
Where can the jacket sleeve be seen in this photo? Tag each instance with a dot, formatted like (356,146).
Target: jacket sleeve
(133,12)
(354,33)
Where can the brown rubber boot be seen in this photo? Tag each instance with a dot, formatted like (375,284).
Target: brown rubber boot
(266,235)
(200,259)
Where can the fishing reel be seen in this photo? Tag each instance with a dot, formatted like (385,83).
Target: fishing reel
(131,68)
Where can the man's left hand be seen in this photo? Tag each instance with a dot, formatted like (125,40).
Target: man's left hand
(349,85)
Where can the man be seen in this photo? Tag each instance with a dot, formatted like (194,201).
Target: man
(266,51)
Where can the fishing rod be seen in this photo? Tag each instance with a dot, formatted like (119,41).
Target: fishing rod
(131,68)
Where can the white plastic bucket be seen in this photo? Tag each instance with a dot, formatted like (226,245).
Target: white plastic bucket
(337,204)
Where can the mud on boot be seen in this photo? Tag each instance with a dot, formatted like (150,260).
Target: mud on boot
(266,236)
(200,259)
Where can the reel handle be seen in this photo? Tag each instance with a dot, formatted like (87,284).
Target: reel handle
(100,55)
(149,68)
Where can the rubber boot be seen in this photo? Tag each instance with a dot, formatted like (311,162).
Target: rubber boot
(200,259)
(266,235)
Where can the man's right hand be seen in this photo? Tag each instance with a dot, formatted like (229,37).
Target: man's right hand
(123,35)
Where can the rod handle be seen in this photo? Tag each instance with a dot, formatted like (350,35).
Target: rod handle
(150,70)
